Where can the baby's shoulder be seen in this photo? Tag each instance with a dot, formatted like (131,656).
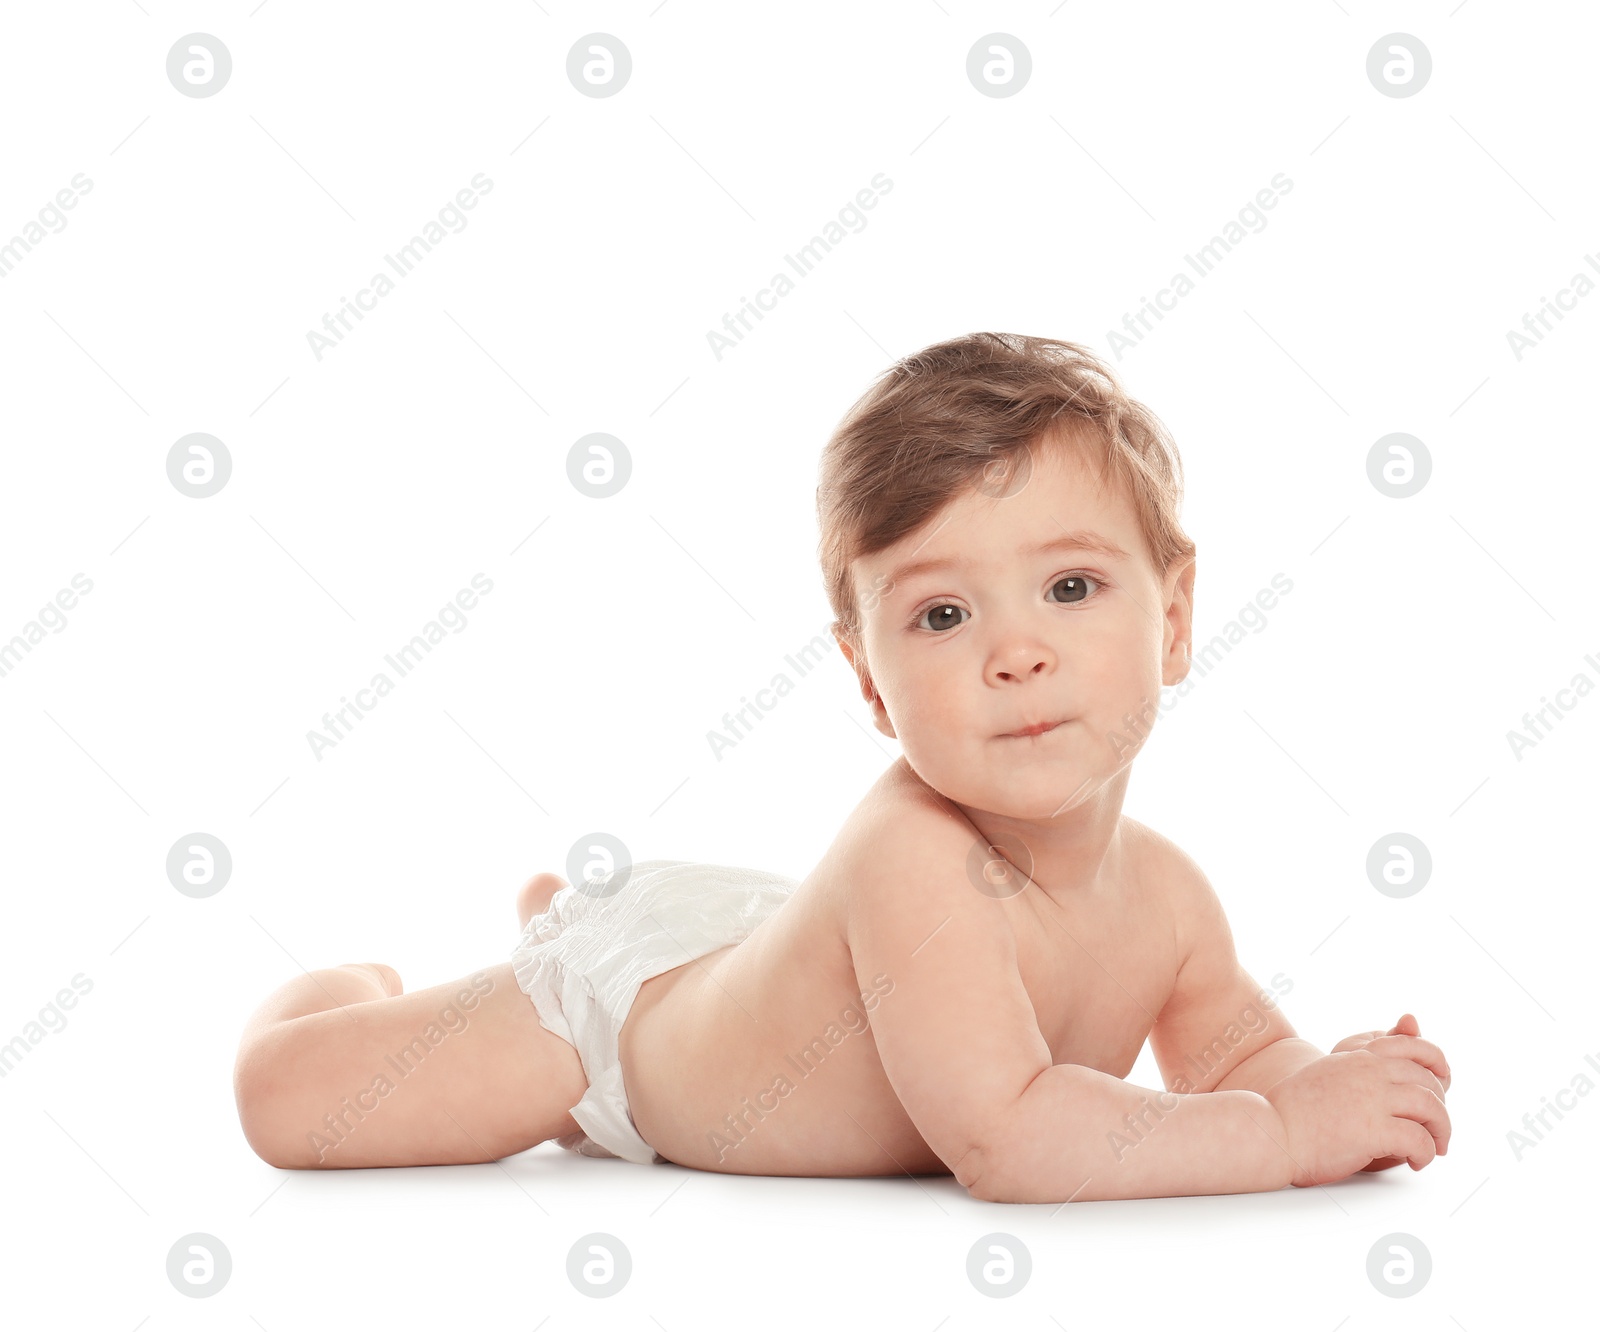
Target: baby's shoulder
(1166,875)
(1151,852)
(902,832)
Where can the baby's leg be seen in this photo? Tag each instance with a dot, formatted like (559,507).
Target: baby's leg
(338,1068)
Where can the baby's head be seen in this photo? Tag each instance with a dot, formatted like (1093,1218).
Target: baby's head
(979,451)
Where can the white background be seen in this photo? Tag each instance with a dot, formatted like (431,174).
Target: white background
(369,486)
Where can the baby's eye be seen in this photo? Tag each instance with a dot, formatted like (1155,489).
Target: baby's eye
(941,616)
(1075,585)
(944,613)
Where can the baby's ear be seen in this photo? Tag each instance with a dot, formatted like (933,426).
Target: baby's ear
(1179,615)
(846,645)
(880,714)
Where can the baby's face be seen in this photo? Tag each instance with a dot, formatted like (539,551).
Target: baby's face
(1008,635)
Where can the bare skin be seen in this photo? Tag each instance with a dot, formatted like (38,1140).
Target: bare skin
(735,1017)
(962,984)
(738,1021)
(1096,976)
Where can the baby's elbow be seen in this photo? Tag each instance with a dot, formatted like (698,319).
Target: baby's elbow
(968,1168)
(1020,1157)
(979,1178)
(984,1169)
(991,1175)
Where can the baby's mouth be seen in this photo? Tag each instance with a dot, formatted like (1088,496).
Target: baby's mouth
(1034,732)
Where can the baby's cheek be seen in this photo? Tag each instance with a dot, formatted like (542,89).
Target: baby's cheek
(1125,711)
(1113,679)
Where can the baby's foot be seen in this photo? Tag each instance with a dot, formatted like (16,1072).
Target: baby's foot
(534,899)
(583,1145)
(386,977)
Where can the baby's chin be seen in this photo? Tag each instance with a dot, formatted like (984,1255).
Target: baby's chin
(1032,788)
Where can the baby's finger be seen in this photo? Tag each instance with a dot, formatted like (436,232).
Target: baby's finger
(1410,1101)
(1401,1069)
(1414,1047)
(1383,1163)
(1407,1139)
(1407,1026)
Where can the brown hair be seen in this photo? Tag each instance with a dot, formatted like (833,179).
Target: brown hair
(941,420)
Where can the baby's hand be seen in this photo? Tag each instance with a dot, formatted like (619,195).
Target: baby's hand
(1424,1052)
(1357,1109)
(1402,1039)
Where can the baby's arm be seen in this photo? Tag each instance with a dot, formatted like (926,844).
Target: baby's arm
(1215,1032)
(1219,1031)
(962,1049)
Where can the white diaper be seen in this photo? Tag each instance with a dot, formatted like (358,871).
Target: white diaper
(582,963)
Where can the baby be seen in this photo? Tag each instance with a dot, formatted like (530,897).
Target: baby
(963,983)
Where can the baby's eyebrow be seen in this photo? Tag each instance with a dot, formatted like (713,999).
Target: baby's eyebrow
(1090,541)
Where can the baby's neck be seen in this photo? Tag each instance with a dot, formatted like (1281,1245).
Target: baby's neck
(1076,854)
